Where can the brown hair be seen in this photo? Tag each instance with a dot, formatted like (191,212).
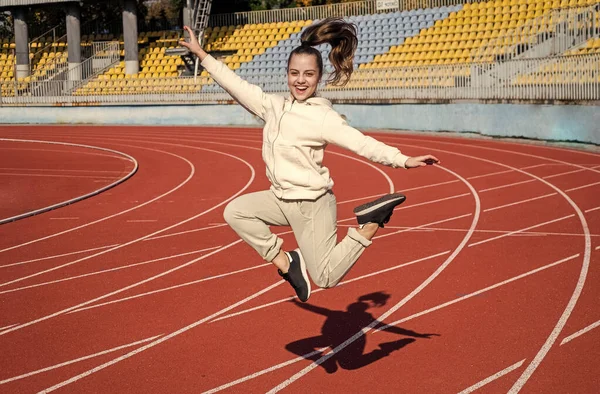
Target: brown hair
(338,33)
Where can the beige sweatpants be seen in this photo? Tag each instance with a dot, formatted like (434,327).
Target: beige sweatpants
(314,223)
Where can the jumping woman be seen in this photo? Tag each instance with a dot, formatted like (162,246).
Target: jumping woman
(297,130)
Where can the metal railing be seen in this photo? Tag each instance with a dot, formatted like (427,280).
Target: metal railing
(565,78)
(60,79)
(547,35)
(323,11)
(560,78)
(105,55)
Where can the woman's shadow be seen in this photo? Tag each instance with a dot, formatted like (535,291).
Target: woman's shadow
(341,325)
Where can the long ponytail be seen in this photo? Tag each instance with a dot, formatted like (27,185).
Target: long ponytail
(338,33)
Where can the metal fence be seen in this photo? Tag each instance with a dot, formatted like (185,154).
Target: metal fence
(60,80)
(556,78)
(105,55)
(323,11)
(550,34)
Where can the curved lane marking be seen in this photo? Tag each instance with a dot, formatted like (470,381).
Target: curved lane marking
(76,199)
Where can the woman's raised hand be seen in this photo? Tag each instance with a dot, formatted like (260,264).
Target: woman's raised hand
(193,45)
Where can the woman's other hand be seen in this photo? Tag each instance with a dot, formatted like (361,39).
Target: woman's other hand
(193,45)
(421,161)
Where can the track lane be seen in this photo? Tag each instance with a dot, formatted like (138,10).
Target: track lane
(419,342)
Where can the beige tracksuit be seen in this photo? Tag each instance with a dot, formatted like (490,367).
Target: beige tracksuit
(295,136)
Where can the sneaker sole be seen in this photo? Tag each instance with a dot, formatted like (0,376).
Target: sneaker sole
(364,209)
(304,273)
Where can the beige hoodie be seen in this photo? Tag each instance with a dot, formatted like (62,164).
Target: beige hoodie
(296,134)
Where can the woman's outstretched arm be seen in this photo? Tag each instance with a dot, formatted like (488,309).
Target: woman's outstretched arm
(249,96)
(337,131)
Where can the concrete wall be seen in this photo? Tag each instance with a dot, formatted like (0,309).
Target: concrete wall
(548,122)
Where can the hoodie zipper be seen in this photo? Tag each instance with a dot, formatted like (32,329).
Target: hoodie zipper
(273,143)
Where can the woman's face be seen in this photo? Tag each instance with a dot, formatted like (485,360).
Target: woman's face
(303,76)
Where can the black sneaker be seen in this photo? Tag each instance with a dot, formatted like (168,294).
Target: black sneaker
(379,211)
(297,276)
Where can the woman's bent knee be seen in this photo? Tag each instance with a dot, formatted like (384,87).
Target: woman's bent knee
(323,282)
(231,212)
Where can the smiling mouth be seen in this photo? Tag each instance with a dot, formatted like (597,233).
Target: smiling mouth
(302,88)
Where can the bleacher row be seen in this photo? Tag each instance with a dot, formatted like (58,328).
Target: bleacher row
(259,52)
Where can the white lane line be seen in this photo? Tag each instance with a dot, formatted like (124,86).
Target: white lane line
(580,332)
(244,311)
(490,379)
(264,371)
(413,138)
(402,302)
(583,187)
(478,292)
(66,310)
(192,172)
(523,229)
(582,274)
(424,312)
(118,213)
(215,225)
(108,270)
(71,218)
(60,170)
(507,171)
(362,161)
(532,180)
(462,230)
(61,204)
(429,185)
(233,306)
(245,187)
(185,232)
(142,221)
(520,202)
(171,287)
(432,201)
(367,163)
(5,327)
(390,227)
(190,176)
(63,151)
(59,176)
(401,321)
(227,274)
(114,349)
(490,174)
(567,173)
(414,205)
(160,340)
(454,181)
(424,225)
(564,341)
(58,255)
(504,186)
(592,209)
(399,191)
(584,266)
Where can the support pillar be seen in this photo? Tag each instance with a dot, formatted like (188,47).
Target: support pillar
(187,19)
(130,35)
(21,42)
(74,40)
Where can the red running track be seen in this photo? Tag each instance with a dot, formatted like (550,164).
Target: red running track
(486,279)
